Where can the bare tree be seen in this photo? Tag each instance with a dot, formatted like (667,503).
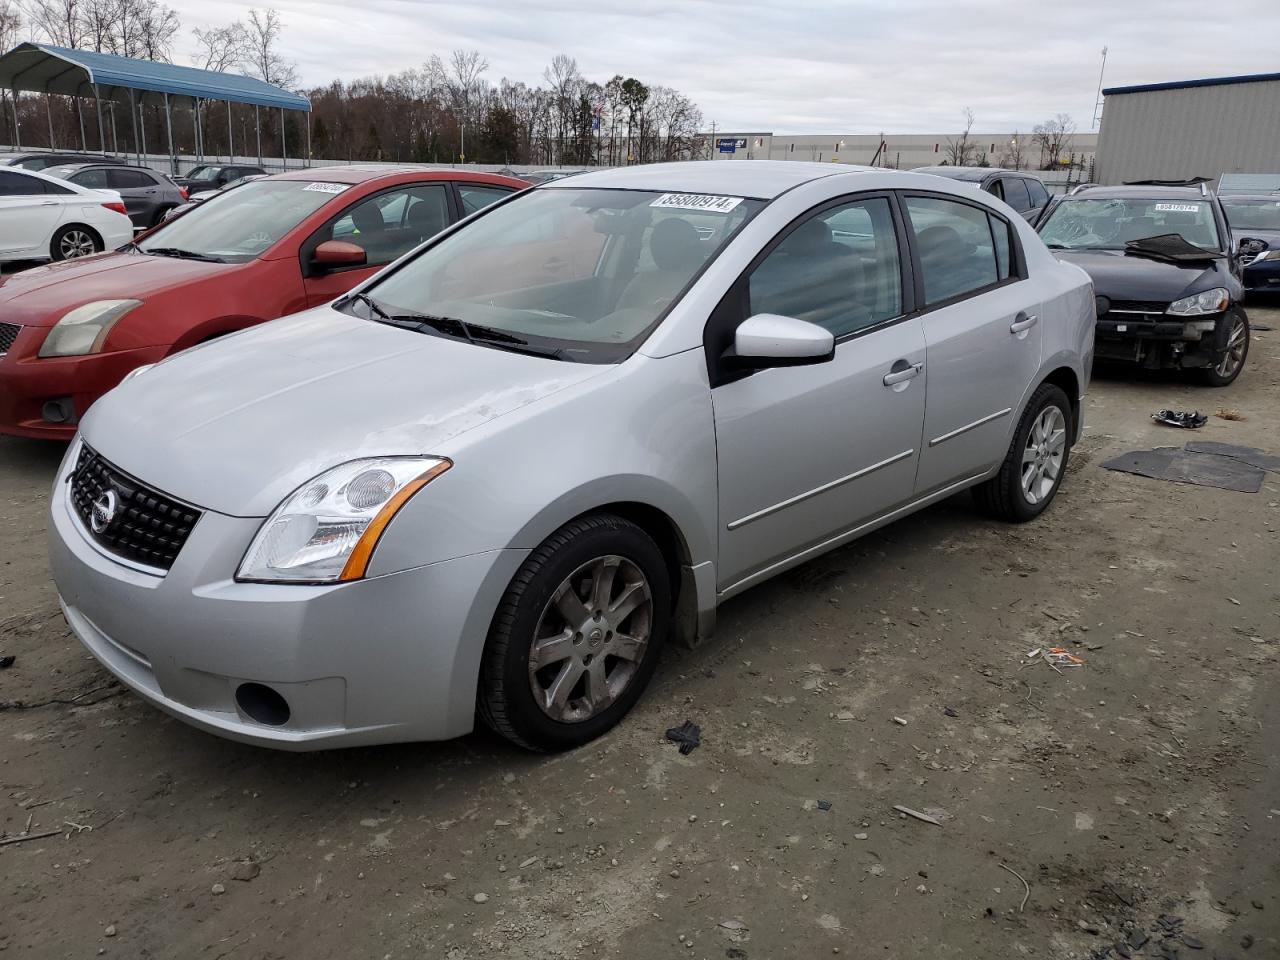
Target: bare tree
(60,21)
(1013,155)
(467,92)
(1053,137)
(221,48)
(263,58)
(960,150)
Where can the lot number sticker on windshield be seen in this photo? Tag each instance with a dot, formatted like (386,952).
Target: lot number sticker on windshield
(1178,207)
(696,201)
(325,187)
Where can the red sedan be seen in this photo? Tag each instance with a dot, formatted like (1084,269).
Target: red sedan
(70,331)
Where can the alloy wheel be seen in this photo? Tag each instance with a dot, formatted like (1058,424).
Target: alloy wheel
(1043,455)
(590,639)
(76,243)
(1236,345)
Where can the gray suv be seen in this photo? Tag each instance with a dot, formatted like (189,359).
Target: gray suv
(147,195)
(1024,192)
(474,488)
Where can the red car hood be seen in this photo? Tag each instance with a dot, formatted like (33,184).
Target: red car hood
(40,296)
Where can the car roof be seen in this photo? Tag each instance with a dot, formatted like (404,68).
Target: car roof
(962,173)
(1142,192)
(760,179)
(1251,197)
(363,173)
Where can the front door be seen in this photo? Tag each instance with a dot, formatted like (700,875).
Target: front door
(27,213)
(982,331)
(808,453)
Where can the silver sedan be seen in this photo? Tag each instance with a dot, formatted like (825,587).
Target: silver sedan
(499,476)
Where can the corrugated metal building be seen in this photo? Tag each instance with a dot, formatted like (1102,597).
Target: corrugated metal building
(1192,128)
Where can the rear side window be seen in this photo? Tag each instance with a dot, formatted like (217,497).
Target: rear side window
(1015,194)
(839,269)
(477,197)
(128,179)
(954,244)
(1039,195)
(18,185)
(92,179)
(1000,234)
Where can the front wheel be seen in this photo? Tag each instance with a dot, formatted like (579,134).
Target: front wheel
(74,241)
(577,635)
(1032,470)
(1225,371)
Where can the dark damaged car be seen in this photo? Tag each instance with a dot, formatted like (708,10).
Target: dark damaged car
(1255,230)
(1164,273)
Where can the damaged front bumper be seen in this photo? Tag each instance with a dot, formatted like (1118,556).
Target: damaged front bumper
(1159,341)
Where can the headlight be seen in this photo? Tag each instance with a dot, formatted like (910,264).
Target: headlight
(84,330)
(326,530)
(1210,301)
(1267,255)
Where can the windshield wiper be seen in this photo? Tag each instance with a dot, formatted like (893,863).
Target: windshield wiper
(1056,246)
(181,254)
(455,327)
(374,309)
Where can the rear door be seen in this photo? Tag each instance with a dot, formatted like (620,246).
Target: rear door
(28,214)
(477,196)
(1014,191)
(805,454)
(386,225)
(981,327)
(138,191)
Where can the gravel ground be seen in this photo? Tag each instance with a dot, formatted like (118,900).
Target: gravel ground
(1075,808)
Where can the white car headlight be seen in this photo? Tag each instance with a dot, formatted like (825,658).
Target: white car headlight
(84,330)
(1210,301)
(1267,255)
(326,530)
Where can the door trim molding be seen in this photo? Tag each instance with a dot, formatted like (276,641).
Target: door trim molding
(800,498)
(970,426)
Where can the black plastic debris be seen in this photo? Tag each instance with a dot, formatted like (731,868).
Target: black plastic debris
(6,662)
(1186,466)
(688,735)
(1123,950)
(824,804)
(950,713)
(1250,455)
(1192,942)
(735,953)
(1138,939)
(1191,420)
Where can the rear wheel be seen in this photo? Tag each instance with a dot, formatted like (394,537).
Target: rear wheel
(1033,469)
(577,636)
(1225,371)
(74,241)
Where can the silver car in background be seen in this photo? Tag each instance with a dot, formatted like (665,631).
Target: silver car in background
(500,475)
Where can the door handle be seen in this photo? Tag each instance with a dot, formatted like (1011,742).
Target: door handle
(1023,321)
(902,372)
(48,203)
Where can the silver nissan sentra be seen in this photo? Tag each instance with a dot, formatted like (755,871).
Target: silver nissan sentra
(497,477)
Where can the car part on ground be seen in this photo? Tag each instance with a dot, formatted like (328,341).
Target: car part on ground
(1186,419)
(641,381)
(1196,466)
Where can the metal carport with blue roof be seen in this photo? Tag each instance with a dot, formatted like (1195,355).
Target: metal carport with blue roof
(44,68)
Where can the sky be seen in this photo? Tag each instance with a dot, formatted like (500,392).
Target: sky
(799,66)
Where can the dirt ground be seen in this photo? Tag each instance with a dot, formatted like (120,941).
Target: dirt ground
(1143,784)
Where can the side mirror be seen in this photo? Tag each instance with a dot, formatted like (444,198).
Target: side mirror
(1248,245)
(334,254)
(769,340)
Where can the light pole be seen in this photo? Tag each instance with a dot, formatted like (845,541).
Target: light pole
(1097,103)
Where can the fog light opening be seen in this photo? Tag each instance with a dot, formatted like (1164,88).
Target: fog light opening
(262,704)
(60,410)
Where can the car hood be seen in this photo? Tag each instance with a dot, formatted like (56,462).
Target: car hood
(41,296)
(236,424)
(1120,276)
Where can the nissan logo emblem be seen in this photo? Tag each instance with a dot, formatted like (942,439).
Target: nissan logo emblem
(103,511)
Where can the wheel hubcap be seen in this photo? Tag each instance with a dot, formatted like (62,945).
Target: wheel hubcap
(590,639)
(1234,357)
(1043,455)
(76,244)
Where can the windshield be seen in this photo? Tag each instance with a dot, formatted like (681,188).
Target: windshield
(583,273)
(1253,214)
(1108,224)
(203,174)
(241,224)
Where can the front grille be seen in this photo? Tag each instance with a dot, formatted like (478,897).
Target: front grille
(8,334)
(147,527)
(1138,306)
(1247,258)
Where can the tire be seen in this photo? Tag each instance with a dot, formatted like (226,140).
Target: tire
(586,661)
(1224,373)
(1006,496)
(73,241)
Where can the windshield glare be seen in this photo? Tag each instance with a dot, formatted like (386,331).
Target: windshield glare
(203,173)
(1108,224)
(587,272)
(1253,214)
(241,224)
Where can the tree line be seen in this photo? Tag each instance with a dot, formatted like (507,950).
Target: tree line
(446,110)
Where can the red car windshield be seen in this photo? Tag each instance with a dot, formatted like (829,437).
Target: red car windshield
(240,224)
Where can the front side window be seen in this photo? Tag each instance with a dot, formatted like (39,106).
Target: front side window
(839,269)
(1252,214)
(393,223)
(1039,195)
(91,179)
(1015,194)
(19,185)
(241,224)
(583,273)
(954,243)
(1109,223)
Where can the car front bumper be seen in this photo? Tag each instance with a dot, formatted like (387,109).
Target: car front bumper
(1159,340)
(392,658)
(28,382)
(1261,276)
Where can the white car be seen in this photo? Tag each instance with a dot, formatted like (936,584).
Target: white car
(43,218)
